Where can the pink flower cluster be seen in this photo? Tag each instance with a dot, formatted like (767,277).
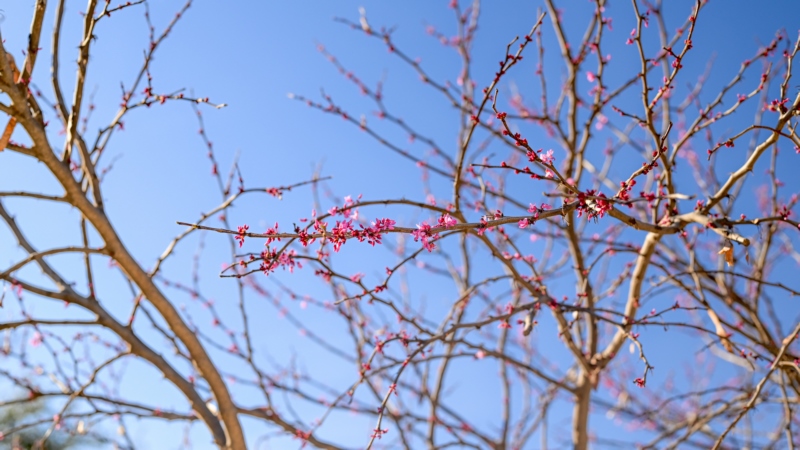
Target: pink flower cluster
(546,158)
(423,233)
(272,260)
(597,206)
(447,221)
(240,236)
(344,230)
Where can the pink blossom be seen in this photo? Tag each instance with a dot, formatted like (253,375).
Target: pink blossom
(423,233)
(630,39)
(383,224)
(240,236)
(548,157)
(431,199)
(350,212)
(447,221)
(37,339)
(340,233)
(272,261)
(601,122)
(273,230)
(357,277)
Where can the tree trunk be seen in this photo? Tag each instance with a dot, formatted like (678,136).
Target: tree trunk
(580,414)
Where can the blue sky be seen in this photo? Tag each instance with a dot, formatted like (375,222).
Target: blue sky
(250,56)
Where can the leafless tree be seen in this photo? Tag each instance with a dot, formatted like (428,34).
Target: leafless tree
(578,188)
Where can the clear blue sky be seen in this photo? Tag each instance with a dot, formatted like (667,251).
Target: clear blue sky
(249,55)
